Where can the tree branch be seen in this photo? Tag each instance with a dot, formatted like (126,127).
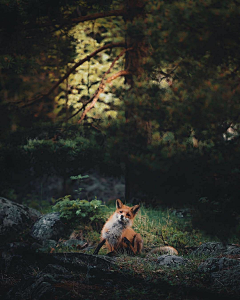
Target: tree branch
(100,90)
(87,58)
(102,85)
(112,13)
(59,25)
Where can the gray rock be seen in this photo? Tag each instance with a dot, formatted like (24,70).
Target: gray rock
(15,264)
(40,273)
(49,227)
(55,269)
(214,248)
(232,250)
(217,264)
(228,280)
(34,214)
(224,273)
(37,289)
(74,261)
(14,219)
(171,260)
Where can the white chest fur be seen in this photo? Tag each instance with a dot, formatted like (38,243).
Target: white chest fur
(113,230)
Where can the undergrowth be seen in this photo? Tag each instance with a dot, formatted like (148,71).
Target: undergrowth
(160,227)
(157,227)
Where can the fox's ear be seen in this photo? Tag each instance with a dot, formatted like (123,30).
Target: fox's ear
(135,209)
(119,203)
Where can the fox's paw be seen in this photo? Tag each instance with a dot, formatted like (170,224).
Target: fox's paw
(112,253)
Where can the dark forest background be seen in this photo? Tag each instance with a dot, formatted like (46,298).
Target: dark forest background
(148,91)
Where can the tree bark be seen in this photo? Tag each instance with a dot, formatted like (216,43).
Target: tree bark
(132,63)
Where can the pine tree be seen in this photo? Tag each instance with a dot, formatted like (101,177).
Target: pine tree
(192,46)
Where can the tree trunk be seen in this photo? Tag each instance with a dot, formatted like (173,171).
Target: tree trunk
(132,63)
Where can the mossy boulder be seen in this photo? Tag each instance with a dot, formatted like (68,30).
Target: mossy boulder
(15,219)
(49,227)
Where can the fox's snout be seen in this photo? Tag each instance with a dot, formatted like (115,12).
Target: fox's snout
(121,217)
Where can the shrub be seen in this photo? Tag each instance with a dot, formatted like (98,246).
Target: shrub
(80,212)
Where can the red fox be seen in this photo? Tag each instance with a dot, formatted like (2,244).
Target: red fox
(117,231)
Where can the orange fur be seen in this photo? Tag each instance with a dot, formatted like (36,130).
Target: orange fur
(117,231)
(164,250)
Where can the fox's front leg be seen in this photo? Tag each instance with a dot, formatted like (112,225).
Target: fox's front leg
(137,243)
(127,242)
(99,246)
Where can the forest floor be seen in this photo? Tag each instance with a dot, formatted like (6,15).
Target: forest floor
(67,271)
(142,277)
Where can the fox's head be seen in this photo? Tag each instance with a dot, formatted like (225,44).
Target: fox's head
(126,214)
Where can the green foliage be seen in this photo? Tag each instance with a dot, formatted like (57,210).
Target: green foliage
(80,212)
(158,226)
(45,150)
(35,202)
(174,140)
(43,154)
(78,178)
(82,84)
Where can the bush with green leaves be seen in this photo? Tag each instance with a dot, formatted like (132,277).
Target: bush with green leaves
(80,212)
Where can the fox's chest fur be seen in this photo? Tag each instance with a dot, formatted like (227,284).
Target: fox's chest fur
(113,230)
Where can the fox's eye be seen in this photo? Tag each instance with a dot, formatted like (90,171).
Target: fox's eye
(121,212)
(128,215)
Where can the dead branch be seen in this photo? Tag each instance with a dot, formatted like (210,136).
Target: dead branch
(100,90)
(118,74)
(87,58)
(102,85)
